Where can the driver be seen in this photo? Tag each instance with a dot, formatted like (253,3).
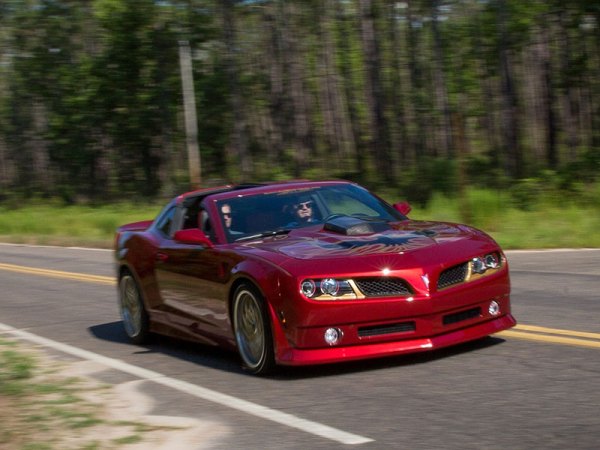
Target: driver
(303,210)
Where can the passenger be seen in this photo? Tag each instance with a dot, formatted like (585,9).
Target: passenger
(228,219)
(226,213)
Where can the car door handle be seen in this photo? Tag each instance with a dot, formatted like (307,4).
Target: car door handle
(161,257)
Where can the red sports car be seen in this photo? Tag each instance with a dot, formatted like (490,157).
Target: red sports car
(308,273)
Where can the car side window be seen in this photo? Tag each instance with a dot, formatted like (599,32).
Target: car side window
(165,222)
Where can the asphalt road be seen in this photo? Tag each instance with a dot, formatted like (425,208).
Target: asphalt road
(534,387)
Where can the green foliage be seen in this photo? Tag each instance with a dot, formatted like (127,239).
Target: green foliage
(585,169)
(56,224)
(45,409)
(534,213)
(104,10)
(526,193)
(91,104)
(433,175)
(550,221)
(15,370)
(131,439)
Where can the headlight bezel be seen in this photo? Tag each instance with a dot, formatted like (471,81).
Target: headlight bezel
(333,289)
(482,266)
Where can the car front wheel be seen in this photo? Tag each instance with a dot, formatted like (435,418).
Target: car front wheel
(132,309)
(253,330)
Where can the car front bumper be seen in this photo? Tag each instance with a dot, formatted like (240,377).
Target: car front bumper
(302,356)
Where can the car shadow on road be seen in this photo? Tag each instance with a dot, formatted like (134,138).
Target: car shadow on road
(213,357)
(228,361)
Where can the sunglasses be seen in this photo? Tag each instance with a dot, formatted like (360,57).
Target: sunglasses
(304,205)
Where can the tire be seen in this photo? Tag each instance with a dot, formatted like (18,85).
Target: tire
(252,330)
(132,310)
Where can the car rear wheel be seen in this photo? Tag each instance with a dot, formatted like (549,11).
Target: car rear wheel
(132,309)
(253,330)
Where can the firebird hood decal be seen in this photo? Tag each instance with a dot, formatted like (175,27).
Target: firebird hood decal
(401,238)
(378,244)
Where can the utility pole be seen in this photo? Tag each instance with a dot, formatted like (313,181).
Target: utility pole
(189,107)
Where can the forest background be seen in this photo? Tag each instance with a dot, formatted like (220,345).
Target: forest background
(466,100)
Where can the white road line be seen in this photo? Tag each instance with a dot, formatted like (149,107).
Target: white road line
(229,401)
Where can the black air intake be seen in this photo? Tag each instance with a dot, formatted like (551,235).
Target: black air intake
(353,226)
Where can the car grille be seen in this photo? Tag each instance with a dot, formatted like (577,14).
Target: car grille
(378,330)
(383,287)
(453,275)
(462,315)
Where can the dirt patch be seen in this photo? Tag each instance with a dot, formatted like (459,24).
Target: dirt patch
(62,406)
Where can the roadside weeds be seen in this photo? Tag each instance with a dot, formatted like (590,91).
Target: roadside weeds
(47,404)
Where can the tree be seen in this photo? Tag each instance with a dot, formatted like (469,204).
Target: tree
(510,120)
(90,93)
(239,141)
(445,141)
(380,131)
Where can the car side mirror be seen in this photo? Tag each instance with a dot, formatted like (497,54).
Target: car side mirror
(192,236)
(403,207)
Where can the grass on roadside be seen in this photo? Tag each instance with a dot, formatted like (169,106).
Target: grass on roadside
(41,408)
(543,221)
(69,225)
(545,224)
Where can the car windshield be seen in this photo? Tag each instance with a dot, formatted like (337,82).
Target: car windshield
(254,216)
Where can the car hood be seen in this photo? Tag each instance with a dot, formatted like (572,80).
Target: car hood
(407,237)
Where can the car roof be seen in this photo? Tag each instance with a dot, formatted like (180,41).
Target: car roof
(231,190)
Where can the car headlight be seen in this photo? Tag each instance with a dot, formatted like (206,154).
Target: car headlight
(492,261)
(327,289)
(481,265)
(308,288)
(478,265)
(330,286)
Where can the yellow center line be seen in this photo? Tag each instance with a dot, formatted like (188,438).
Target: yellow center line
(527,332)
(58,274)
(537,329)
(549,338)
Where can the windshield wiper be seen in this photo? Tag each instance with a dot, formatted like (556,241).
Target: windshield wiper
(264,234)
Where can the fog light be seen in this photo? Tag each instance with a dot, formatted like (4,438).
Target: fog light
(333,335)
(308,288)
(494,308)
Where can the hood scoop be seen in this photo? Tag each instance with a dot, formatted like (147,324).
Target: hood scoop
(354,226)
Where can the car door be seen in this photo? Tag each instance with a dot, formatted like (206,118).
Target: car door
(193,283)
